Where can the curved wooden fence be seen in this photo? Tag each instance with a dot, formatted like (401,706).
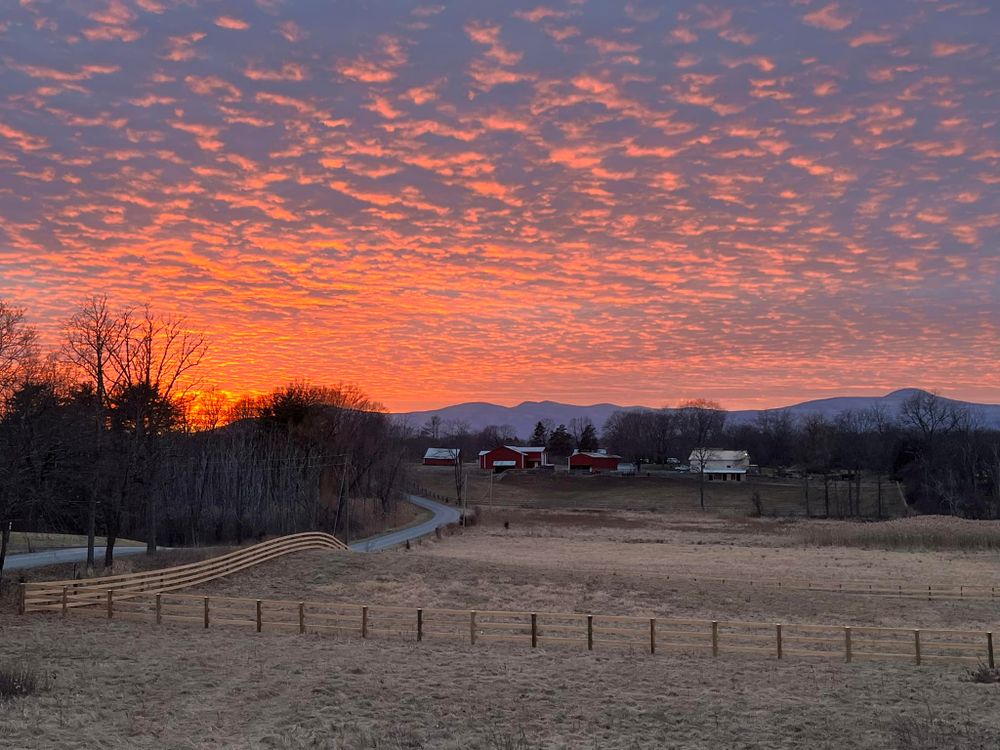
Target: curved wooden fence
(54,595)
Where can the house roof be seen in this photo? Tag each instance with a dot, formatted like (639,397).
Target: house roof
(714,454)
(517,449)
(443,453)
(596,454)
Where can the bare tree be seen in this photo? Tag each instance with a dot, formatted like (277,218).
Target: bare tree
(17,347)
(155,361)
(95,338)
(702,423)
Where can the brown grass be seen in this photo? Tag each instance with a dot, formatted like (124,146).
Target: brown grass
(117,686)
(918,533)
(666,493)
(125,685)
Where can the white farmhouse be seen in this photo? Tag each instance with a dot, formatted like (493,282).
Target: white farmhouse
(724,465)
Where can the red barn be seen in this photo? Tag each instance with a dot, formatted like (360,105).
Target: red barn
(594,461)
(442,456)
(511,457)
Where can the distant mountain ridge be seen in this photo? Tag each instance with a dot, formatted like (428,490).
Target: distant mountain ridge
(524,416)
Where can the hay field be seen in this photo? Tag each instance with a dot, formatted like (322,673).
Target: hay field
(661,492)
(124,685)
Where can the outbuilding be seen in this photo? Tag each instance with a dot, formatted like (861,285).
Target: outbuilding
(594,462)
(442,456)
(512,457)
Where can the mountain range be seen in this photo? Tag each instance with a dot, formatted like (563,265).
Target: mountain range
(524,416)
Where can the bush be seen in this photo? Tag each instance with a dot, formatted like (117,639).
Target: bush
(17,680)
(983,674)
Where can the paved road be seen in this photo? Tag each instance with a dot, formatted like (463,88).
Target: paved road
(443,515)
(55,556)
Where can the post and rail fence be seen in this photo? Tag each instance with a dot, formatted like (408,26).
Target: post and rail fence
(532,629)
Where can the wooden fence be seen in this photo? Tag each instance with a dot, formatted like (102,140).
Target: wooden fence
(40,596)
(534,629)
(928,591)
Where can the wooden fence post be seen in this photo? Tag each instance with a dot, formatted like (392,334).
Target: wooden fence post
(364,622)
(302,617)
(420,624)
(111,603)
(916,645)
(715,638)
(534,630)
(65,601)
(652,635)
(159,610)
(260,618)
(22,597)
(472,627)
(205,600)
(847,645)
(590,632)
(777,634)
(989,650)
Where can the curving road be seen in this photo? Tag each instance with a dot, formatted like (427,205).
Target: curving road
(27,560)
(443,515)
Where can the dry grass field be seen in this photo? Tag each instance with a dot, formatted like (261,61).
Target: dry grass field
(121,685)
(661,492)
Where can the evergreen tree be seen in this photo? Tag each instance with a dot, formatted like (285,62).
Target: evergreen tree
(560,442)
(588,439)
(540,436)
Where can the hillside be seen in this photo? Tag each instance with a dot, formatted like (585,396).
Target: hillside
(523,417)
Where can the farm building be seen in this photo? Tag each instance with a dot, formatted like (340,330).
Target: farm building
(442,456)
(724,465)
(594,461)
(512,457)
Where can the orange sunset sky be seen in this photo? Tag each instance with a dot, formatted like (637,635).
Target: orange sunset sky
(755,202)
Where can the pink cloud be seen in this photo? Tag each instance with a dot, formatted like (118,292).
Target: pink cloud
(828,17)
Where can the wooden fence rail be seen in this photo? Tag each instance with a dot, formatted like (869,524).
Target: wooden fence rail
(534,629)
(42,595)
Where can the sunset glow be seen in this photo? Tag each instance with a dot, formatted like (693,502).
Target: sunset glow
(583,201)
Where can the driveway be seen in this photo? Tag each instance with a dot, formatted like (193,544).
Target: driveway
(443,515)
(55,556)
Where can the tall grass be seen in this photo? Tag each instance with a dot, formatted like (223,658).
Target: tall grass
(17,680)
(922,532)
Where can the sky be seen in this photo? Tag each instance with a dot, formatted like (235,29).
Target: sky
(756,202)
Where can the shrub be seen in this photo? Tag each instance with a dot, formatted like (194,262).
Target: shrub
(499,738)
(983,674)
(17,680)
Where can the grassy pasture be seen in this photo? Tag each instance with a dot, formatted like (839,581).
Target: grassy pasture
(658,492)
(129,685)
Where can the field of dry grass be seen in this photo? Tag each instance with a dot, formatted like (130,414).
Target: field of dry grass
(658,492)
(128,685)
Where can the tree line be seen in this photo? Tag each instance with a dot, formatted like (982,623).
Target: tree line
(945,461)
(104,436)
